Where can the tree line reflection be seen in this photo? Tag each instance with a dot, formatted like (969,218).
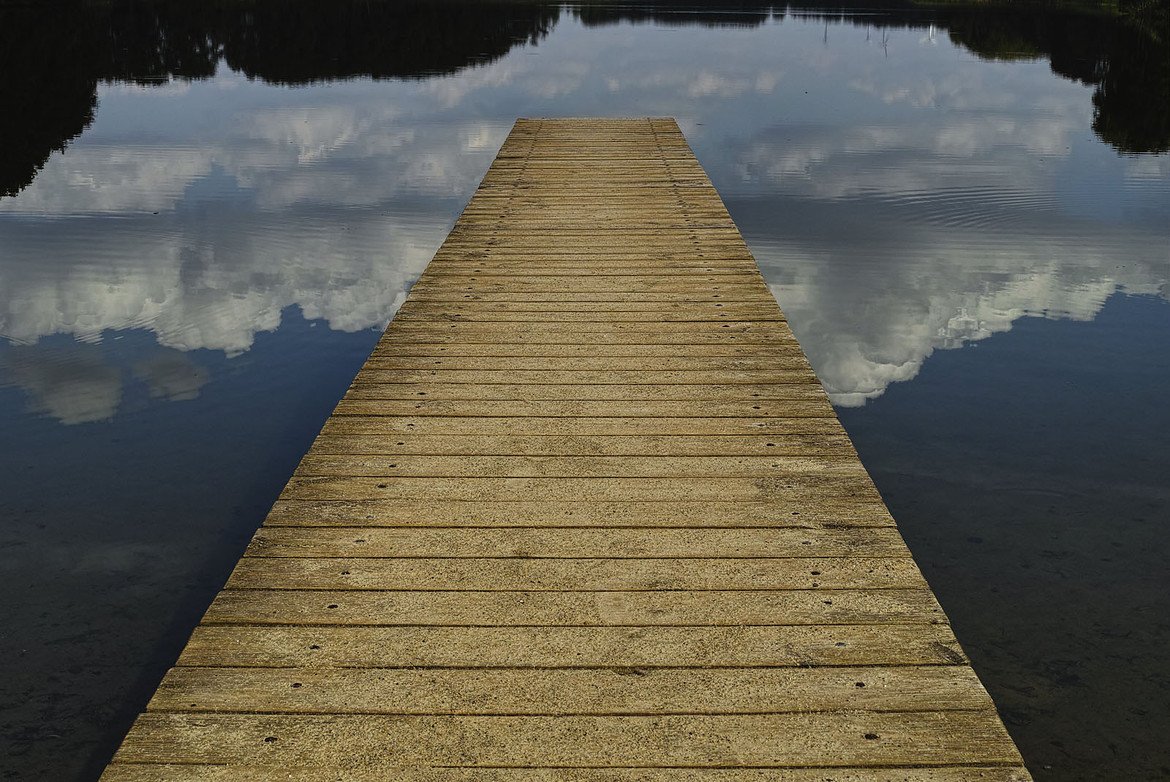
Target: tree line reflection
(54,56)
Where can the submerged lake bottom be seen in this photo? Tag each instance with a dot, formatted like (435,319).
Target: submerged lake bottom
(1052,571)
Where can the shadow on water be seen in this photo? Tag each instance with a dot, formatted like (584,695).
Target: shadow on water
(54,57)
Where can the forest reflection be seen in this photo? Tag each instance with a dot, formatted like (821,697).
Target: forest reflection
(55,56)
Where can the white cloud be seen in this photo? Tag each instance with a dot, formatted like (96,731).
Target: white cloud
(107,178)
(706,83)
(945,231)
(73,385)
(216,289)
(334,199)
(172,376)
(865,325)
(330,207)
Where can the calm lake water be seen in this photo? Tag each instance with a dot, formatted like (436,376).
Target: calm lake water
(210,211)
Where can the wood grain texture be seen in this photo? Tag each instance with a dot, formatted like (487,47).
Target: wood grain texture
(126,772)
(808,740)
(573,542)
(775,646)
(585,515)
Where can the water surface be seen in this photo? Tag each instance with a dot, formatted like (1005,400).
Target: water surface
(211,212)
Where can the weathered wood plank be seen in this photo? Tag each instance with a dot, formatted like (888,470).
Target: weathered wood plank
(611,255)
(740,294)
(513,332)
(368,388)
(774,328)
(373,742)
(548,574)
(572,542)
(587,445)
(375,374)
(579,466)
(587,608)
(555,692)
(792,513)
(761,307)
(139,772)
(558,409)
(649,367)
(727,288)
(572,647)
(583,270)
(443,314)
(778,489)
(783,349)
(577,426)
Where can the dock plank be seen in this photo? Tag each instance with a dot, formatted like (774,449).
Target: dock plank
(490,574)
(596,445)
(585,515)
(126,772)
(816,514)
(634,539)
(378,743)
(776,646)
(576,692)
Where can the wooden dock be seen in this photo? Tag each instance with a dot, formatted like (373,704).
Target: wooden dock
(585,515)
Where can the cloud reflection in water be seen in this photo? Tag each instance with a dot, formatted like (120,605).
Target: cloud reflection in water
(882,249)
(902,196)
(332,208)
(900,208)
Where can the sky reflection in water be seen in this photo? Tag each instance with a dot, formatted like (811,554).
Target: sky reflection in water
(190,285)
